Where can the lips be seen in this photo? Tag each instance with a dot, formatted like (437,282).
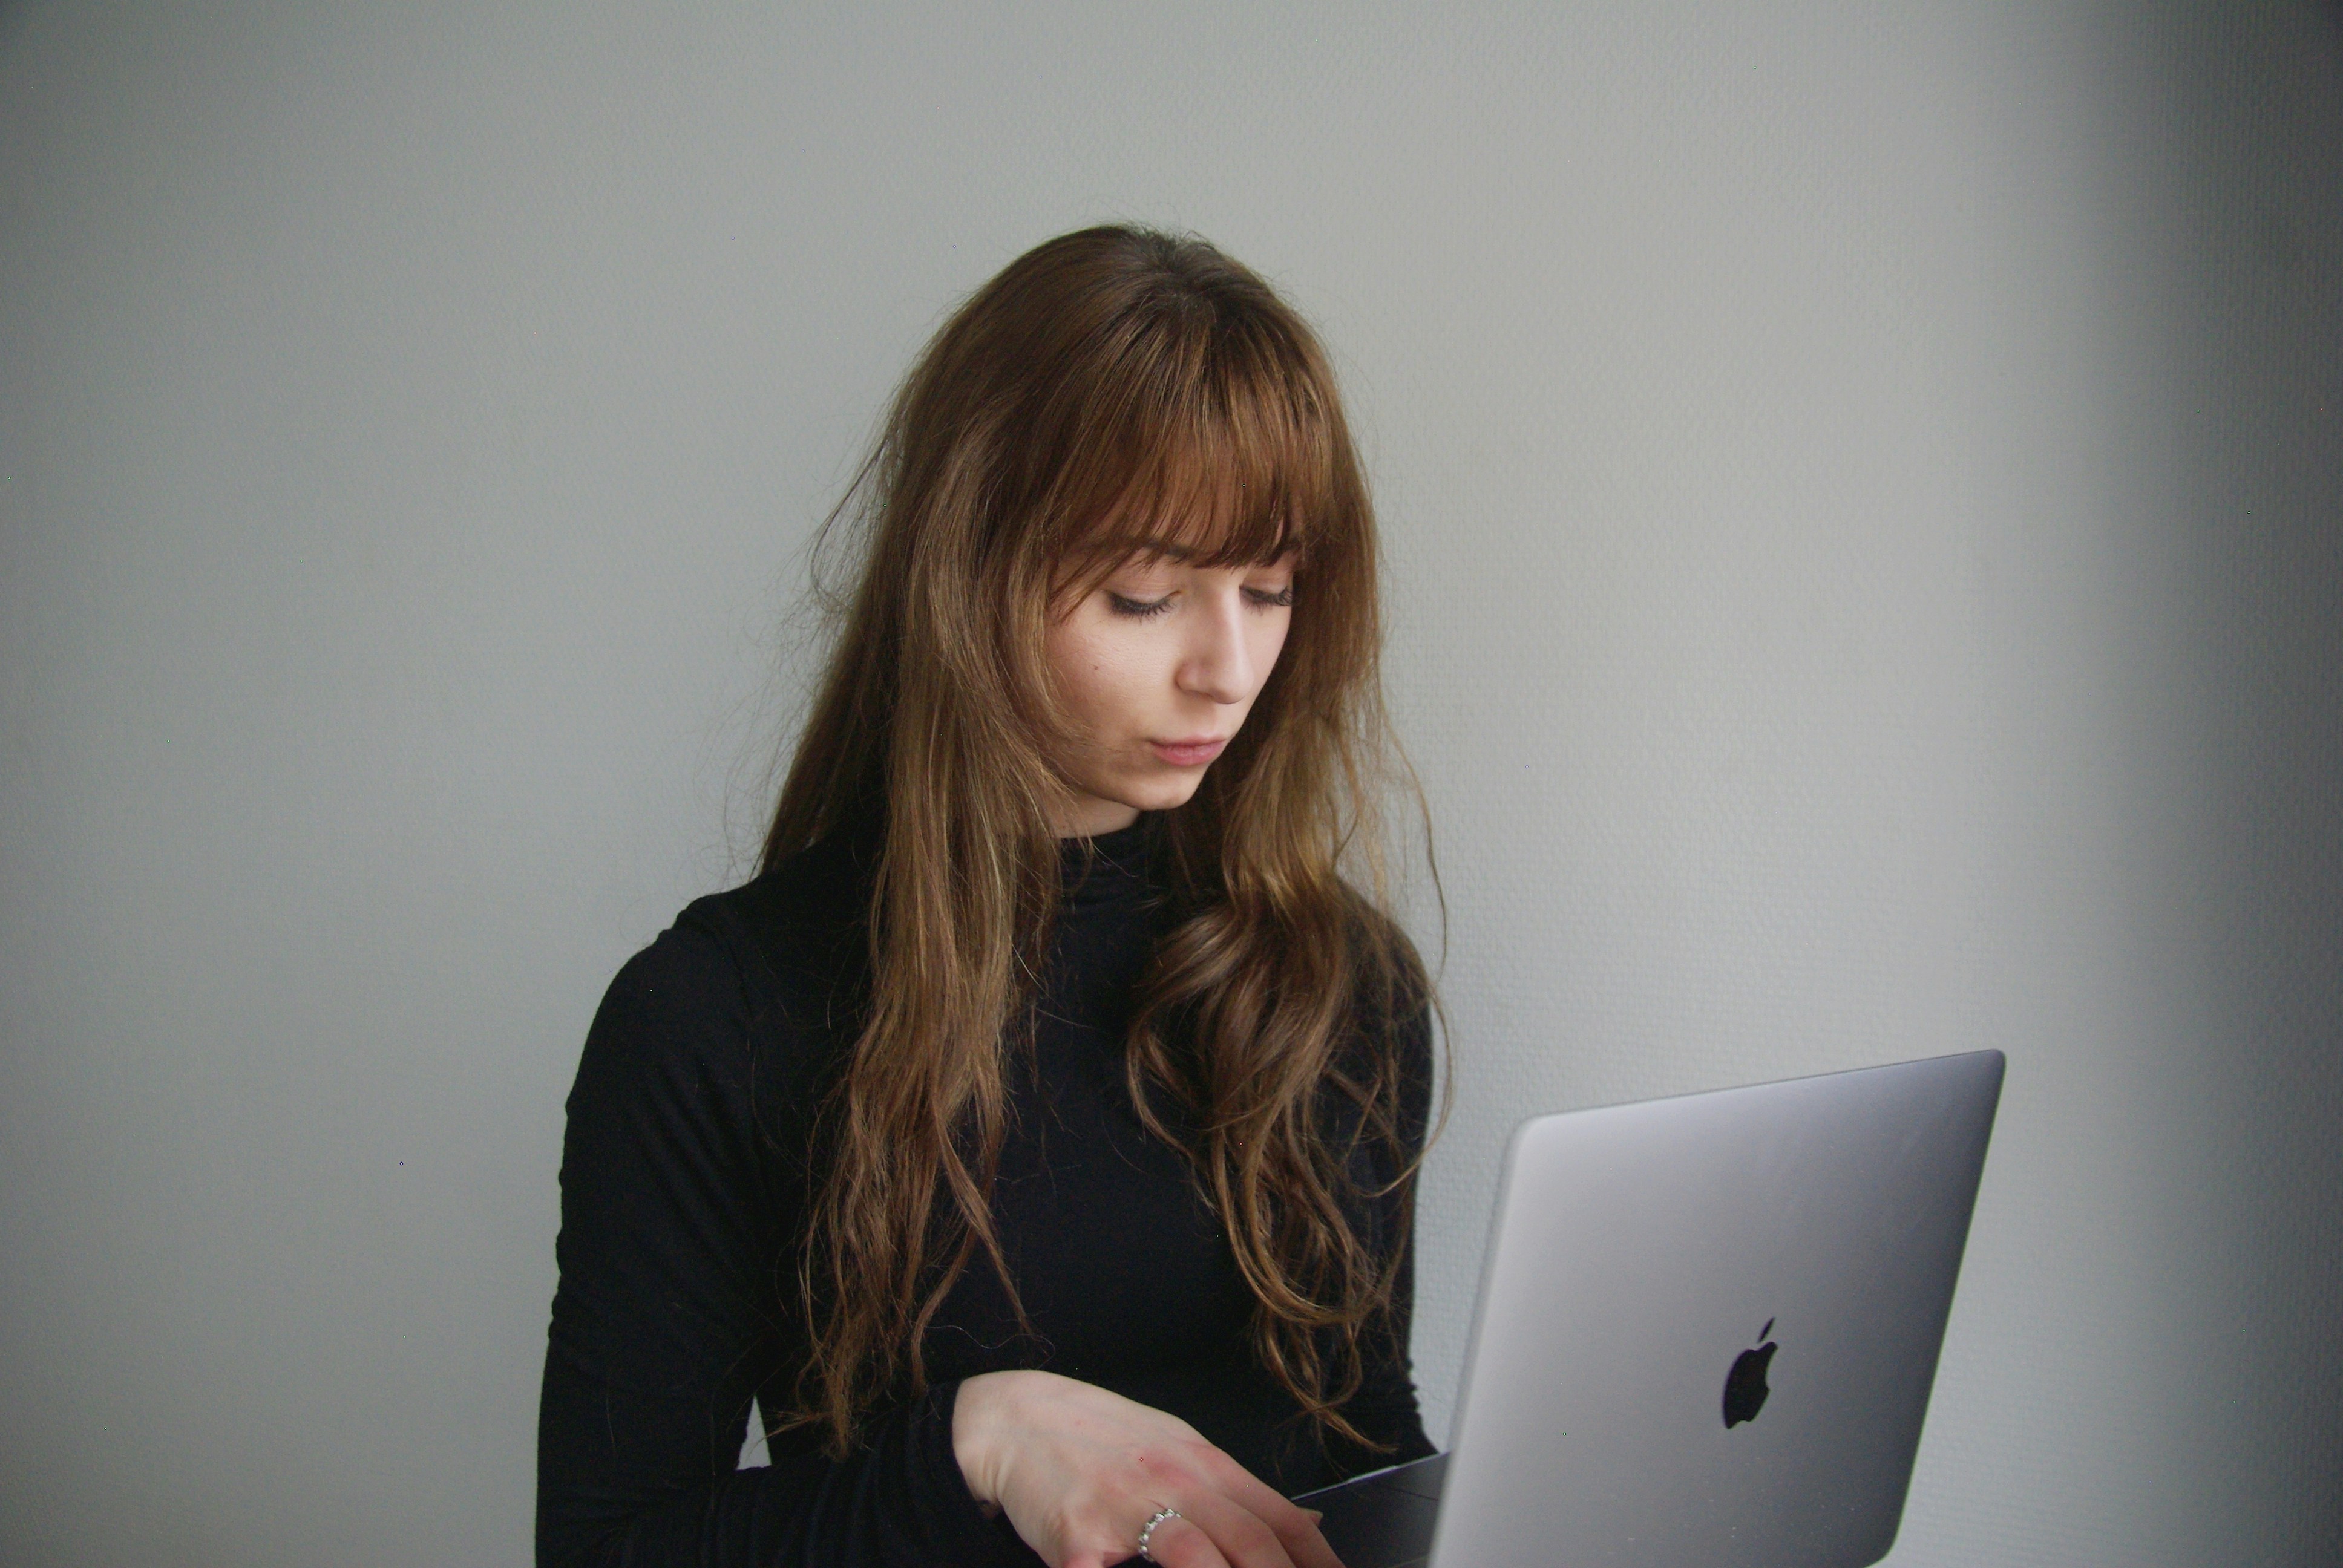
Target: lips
(1192,752)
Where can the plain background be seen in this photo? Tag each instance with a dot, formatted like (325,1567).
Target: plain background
(1862,489)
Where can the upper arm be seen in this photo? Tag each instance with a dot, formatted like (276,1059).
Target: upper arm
(667,1239)
(682,1194)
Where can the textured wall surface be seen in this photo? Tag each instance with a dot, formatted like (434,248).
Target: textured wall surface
(1865,495)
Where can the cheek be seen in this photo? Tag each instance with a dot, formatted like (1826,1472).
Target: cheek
(1268,644)
(1093,671)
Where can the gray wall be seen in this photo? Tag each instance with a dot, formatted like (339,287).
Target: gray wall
(1863,489)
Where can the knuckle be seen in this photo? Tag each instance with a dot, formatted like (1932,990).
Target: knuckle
(1202,1457)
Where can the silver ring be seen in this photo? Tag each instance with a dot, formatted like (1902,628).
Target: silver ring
(1148,1529)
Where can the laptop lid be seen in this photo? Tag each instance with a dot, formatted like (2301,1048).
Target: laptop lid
(1708,1324)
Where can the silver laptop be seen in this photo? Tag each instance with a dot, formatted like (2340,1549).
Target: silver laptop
(1707,1331)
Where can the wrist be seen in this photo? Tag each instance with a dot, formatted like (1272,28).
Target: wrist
(975,1421)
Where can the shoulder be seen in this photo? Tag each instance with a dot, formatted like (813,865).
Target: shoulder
(804,917)
(749,988)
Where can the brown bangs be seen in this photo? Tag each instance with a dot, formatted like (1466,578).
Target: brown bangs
(1223,457)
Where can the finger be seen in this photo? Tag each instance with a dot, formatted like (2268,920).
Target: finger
(1181,1543)
(1302,1540)
(1254,1494)
(1241,1536)
(1296,1527)
(1308,1545)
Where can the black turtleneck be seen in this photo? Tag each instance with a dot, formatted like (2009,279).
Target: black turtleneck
(684,1183)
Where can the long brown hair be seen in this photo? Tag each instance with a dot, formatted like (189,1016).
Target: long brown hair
(1110,386)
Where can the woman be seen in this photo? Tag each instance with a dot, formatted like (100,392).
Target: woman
(1032,1139)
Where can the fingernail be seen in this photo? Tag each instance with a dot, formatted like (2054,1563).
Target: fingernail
(1315,1514)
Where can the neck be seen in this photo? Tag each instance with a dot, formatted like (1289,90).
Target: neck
(1089,817)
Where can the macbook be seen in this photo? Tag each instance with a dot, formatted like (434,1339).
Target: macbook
(1706,1331)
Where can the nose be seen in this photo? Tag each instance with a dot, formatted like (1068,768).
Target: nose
(1216,662)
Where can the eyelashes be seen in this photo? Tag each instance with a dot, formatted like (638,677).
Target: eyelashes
(1148,609)
(1138,608)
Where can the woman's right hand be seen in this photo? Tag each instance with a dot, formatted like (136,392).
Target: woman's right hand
(1080,1471)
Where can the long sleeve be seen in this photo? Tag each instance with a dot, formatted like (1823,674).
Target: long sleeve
(678,1199)
(684,1194)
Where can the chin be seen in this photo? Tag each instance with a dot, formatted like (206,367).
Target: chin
(1159,794)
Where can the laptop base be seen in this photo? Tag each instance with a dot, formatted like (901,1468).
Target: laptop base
(1383,1519)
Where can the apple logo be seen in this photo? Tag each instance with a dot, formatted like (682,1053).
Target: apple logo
(1744,1385)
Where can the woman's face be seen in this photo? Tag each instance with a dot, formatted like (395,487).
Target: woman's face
(1157,667)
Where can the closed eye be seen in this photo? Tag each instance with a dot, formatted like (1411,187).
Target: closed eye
(1147,608)
(1139,608)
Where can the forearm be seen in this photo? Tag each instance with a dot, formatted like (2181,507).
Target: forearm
(899,1499)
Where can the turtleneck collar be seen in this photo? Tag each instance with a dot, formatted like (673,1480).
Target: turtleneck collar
(1110,868)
